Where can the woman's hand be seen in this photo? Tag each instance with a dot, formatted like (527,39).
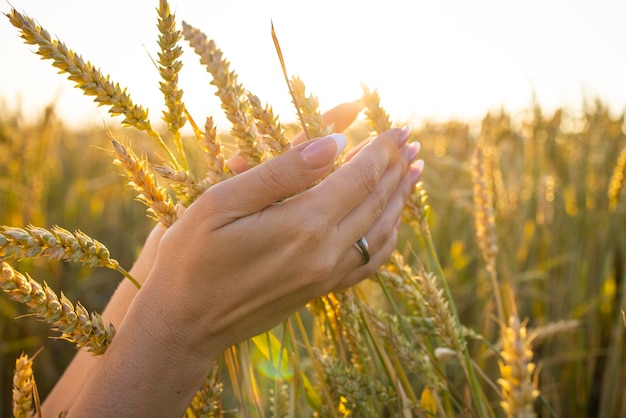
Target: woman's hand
(237,263)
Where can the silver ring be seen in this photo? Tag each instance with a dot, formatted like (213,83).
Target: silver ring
(362,247)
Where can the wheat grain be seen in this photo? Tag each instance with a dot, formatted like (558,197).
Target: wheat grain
(74,323)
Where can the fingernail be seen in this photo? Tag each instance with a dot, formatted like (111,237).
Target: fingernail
(415,172)
(324,150)
(404,135)
(411,150)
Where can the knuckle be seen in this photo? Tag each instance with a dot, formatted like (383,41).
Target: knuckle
(274,176)
(385,235)
(377,200)
(370,176)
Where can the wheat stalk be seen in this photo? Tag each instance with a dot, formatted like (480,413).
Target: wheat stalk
(74,323)
(232,95)
(87,77)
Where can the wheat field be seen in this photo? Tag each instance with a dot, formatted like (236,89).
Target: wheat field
(504,297)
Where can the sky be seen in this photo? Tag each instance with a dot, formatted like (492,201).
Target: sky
(428,59)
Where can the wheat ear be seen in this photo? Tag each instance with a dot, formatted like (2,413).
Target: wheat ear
(617,180)
(309,108)
(155,197)
(88,78)
(169,68)
(185,183)
(24,388)
(232,95)
(57,244)
(351,390)
(268,127)
(377,117)
(74,323)
(516,369)
(205,403)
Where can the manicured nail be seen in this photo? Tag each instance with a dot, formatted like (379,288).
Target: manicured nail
(404,134)
(411,150)
(415,172)
(325,150)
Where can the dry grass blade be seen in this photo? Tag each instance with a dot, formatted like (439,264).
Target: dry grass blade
(74,323)
(88,78)
(296,100)
(232,95)
(151,194)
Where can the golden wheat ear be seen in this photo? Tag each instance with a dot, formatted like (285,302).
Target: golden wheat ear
(86,77)
(377,117)
(25,395)
(74,323)
(169,67)
(233,96)
(160,205)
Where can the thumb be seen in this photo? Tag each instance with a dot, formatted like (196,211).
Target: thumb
(278,177)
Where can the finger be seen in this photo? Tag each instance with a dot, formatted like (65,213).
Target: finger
(355,150)
(267,183)
(353,182)
(237,163)
(382,237)
(392,190)
(376,260)
(340,117)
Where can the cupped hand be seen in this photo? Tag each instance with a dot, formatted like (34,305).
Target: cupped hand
(257,247)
